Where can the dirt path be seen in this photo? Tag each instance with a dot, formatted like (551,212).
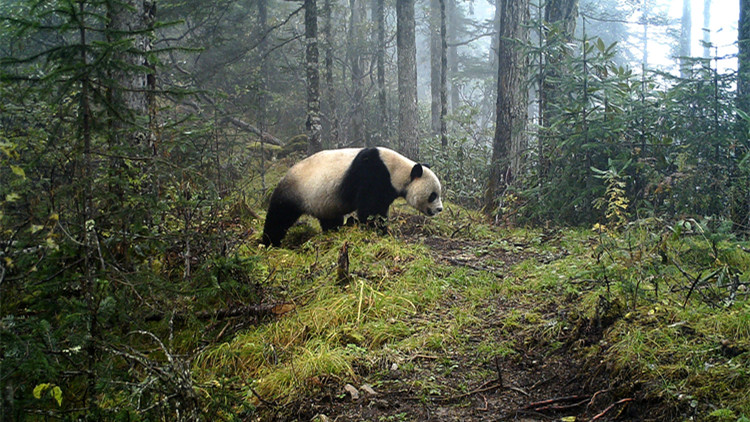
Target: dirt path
(469,382)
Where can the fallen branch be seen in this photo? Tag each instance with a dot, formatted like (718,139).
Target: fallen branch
(610,407)
(267,137)
(542,403)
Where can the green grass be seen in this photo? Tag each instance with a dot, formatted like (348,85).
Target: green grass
(690,355)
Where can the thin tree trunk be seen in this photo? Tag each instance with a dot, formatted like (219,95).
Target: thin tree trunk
(742,220)
(313,81)
(87,226)
(330,87)
(435,63)
(645,18)
(686,27)
(453,54)
(706,29)
(262,98)
(407,79)
(511,106)
(380,57)
(356,135)
(443,78)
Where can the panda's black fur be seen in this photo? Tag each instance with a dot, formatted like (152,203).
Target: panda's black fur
(366,186)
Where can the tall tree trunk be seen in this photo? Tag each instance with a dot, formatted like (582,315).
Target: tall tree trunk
(560,14)
(706,29)
(742,218)
(645,18)
(333,118)
(379,15)
(313,81)
(355,44)
(686,26)
(443,78)
(512,100)
(407,79)
(435,69)
(130,19)
(452,9)
(263,98)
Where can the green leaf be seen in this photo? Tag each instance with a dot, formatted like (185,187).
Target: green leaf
(40,389)
(18,171)
(57,395)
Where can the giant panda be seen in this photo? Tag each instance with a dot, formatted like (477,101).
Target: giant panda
(332,183)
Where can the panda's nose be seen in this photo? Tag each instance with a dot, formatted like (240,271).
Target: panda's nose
(438,209)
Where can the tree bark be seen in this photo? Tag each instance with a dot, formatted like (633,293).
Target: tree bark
(512,100)
(313,79)
(435,63)
(686,26)
(383,131)
(560,14)
(443,78)
(333,118)
(453,54)
(407,79)
(742,220)
(706,29)
(262,97)
(355,44)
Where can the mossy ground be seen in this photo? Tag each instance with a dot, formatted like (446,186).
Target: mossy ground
(452,318)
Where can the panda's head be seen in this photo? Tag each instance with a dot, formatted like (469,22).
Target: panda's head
(423,192)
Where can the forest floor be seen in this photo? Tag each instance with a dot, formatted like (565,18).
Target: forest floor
(457,319)
(465,380)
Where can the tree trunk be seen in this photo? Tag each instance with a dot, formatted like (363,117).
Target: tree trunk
(435,66)
(706,29)
(512,100)
(742,220)
(407,79)
(645,18)
(132,91)
(383,131)
(355,44)
(262,97)
(453,53)
(686,27)
(443,78)
(333,118)
(313,87)
(562,15)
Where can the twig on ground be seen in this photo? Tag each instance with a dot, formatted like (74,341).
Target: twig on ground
(610,407)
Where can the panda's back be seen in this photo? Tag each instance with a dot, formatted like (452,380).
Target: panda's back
(315,182)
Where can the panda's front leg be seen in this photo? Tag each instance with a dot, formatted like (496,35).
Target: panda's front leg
(331,223)
(374,216)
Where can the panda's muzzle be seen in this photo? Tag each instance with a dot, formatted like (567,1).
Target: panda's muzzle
(432,213)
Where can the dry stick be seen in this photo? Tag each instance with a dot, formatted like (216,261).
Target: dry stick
(604,412)
(551,401)
(591,403)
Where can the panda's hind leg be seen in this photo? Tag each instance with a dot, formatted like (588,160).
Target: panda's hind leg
(331,223)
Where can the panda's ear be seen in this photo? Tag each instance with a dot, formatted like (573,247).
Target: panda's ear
(416,171)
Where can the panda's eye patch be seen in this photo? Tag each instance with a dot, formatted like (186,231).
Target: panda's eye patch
(433,197)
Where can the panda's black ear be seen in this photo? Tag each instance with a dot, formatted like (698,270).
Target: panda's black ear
(427,165)
(416,171)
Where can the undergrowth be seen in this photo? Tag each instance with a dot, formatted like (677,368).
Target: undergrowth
(662,309)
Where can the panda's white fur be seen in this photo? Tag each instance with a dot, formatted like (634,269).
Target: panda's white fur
(330,184)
